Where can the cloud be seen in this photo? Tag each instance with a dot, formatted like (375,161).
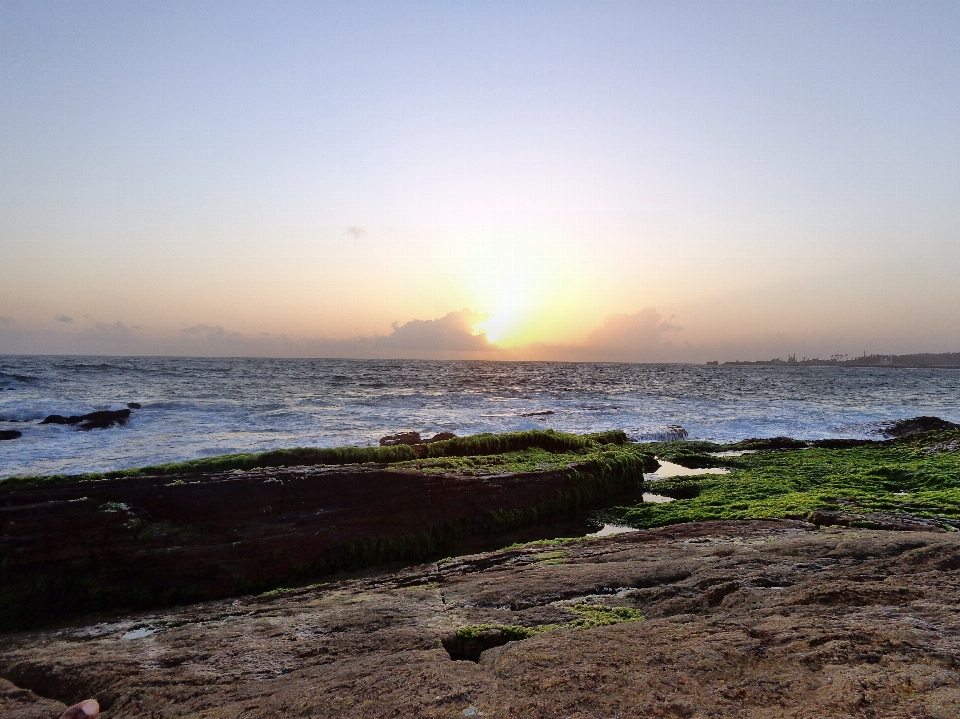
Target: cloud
(356,232)
(7,321)
(643,336)
(642,330)
(451,333)
(64,319)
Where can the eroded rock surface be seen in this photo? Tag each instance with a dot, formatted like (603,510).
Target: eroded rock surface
(744,619)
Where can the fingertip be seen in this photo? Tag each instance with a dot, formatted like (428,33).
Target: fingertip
(88,709)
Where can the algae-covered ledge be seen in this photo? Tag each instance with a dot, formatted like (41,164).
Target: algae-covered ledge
(224,526)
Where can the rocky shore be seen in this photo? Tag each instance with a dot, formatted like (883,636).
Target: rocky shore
(772,578)
(742,619)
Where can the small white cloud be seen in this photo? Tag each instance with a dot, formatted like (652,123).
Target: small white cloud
(355,231)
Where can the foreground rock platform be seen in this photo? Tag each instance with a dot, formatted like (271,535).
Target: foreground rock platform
(743,619)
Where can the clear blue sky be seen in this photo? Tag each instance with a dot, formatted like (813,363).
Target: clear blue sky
(776,176)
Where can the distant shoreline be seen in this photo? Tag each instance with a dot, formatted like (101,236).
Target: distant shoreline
(943,360)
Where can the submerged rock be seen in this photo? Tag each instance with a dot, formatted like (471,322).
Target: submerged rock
(10,434)
(134,405)
(93,420)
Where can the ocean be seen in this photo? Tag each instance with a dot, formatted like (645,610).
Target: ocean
(197,407)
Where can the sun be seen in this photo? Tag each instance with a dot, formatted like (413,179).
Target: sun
(520,286)
(507,319)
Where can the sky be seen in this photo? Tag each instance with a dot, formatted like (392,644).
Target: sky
(627,181)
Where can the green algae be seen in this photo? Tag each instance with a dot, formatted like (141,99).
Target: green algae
(913,476)
(590,616)
(598,615)
(508,448)
(545,542)
(510,632)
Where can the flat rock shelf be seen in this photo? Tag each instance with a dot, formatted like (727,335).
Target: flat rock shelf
(740,619)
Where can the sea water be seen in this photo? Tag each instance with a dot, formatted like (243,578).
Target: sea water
(193,407)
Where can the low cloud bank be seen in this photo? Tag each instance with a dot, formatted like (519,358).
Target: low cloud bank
(643,336)
(447,336)
(451,333)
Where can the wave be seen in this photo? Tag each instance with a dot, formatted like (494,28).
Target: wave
(21,378)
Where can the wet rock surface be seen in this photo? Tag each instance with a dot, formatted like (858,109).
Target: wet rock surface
(10,434)
(743,619)
(93,420)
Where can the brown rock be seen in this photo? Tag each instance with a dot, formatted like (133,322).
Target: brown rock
(440,437)
(752,620)
(392,440)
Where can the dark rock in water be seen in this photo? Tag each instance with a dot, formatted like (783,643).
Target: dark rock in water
(94,420)
(906,427)
(10,434)
(133,405)
(391,440)
(541,413)
(440,437)
(107,418)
